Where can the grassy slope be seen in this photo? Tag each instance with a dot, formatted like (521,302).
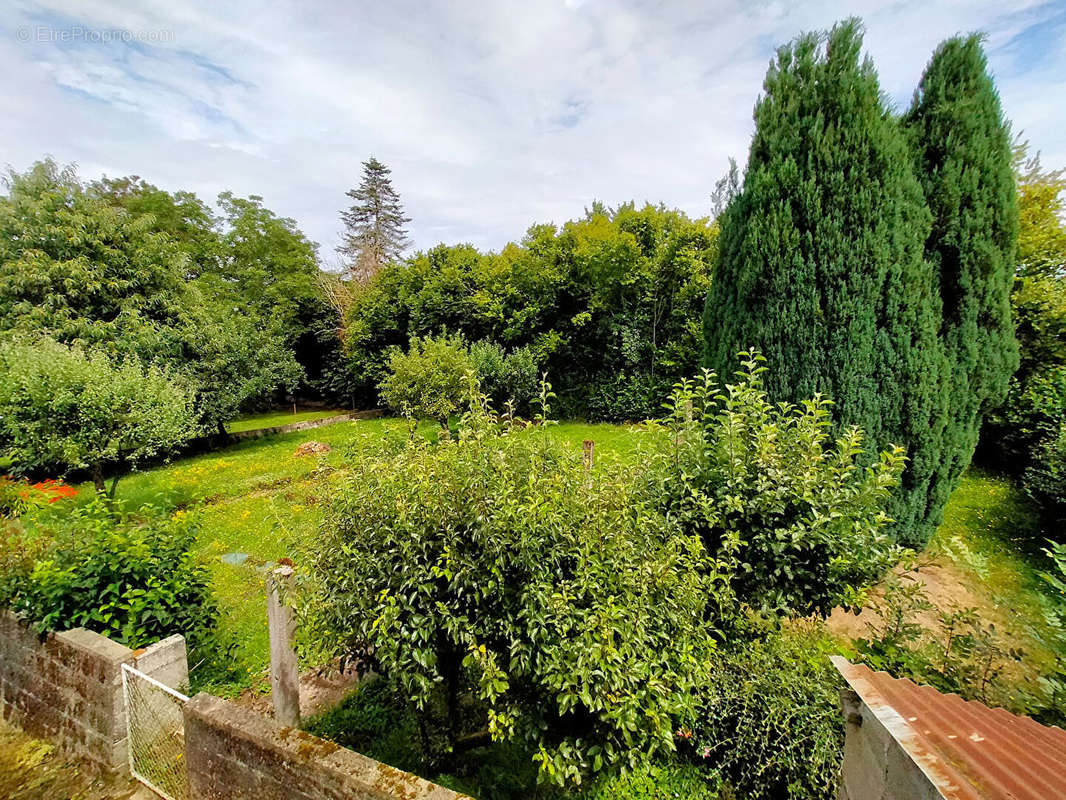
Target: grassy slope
(272,419)
(257,498)
(992,537)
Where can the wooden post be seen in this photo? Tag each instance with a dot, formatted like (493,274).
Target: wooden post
(590,454)
(284,673)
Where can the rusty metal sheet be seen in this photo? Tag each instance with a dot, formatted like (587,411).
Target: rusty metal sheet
(968,750)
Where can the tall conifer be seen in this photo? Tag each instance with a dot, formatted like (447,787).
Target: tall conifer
(963,153)
(374,225)
(822,266)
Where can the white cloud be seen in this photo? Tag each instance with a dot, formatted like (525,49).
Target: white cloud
(492,115)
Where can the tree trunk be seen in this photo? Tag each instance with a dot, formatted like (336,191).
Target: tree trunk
(98,478)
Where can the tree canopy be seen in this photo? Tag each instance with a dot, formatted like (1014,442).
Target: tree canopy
(822,264)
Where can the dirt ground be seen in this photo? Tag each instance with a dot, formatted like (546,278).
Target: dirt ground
(319,691)
(945,586)
(31,769)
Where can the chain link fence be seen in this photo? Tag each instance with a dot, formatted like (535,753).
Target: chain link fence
(155,729)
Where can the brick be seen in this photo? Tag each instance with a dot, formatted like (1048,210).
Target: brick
(235,754)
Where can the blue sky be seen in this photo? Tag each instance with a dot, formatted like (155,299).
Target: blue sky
(493,116)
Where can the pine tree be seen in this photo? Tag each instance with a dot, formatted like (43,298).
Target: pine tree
(374,225)
(821,264)
(963,153)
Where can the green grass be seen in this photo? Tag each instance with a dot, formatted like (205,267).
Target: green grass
(993,536)
(257,498)
(273,419)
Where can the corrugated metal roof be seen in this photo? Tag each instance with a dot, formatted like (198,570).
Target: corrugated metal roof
(968,750)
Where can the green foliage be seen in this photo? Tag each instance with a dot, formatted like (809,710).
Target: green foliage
(507,377)
(768,717)
(960,653)
(130,577)
(126,268)
(1045,480)
(65,408)
(963,151)
(625,398)
(655,782)
(766,485)
(432,380)
(504,587)
(230,365)
(617,292)
(1022,437)
(822,264)
(1053,683)
(1042,211)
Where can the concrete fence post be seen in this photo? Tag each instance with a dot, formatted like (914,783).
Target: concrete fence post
(284,672)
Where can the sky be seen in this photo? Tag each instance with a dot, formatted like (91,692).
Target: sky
(492,116)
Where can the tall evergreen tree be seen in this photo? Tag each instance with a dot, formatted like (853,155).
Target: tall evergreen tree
(963,153)
(821,263)
(374,225)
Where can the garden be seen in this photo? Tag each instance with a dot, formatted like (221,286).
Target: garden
(639,476)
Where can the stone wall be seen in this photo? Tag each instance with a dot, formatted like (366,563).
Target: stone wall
(233,753)
(67,687)
(306,425)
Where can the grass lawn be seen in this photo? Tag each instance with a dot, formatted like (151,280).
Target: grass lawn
(255,502)
(272,419)
(992,536)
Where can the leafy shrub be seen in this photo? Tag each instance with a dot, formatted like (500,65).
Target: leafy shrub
(625,398)
(507,377)
(766,485)
(1052,711)
(64,408)
(1045,480)
(131,578)
(655,782)
(430,381)
(768,718)
(509,592)
(1034,407)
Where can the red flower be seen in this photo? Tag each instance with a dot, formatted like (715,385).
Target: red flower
(54,490)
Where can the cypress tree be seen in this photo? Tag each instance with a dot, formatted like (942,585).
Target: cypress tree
(374,226)
(821,264)
(963,157)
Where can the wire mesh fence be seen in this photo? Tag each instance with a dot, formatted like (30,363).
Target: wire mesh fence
(155,730)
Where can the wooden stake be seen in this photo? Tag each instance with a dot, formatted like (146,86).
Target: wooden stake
(284,672)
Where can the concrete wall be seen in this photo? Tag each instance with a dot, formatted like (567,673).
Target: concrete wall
(875,766)
(67,687)
(233,753)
